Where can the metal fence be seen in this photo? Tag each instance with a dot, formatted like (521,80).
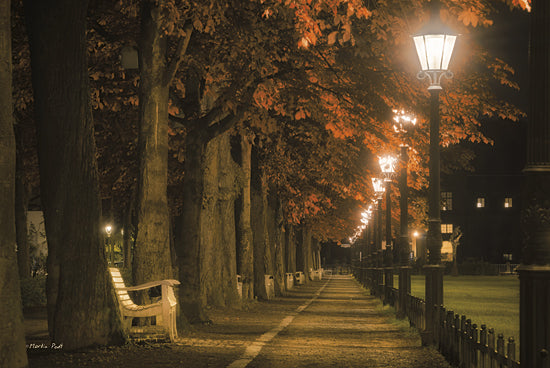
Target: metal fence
(462,343)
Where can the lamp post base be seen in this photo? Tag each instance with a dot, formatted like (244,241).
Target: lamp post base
(534,317)
(433,298)
(404,290)
(388,281)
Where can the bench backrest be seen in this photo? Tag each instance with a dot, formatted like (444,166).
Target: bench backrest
(123,296)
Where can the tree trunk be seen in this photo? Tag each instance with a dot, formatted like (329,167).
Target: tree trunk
(263,264)
(299,242)
(226,247)
(290,242)
(21,204)
(306,251)
(188,248)
(128,231)
(152,247)
(82,304)
(12,334)
(279,240)
(245,252)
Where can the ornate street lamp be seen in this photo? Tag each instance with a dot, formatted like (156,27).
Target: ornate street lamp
(387,166)
(402,121)
(434,46)
(108,231)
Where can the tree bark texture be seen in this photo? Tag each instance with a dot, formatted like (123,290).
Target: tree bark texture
(263,257)
(12,334)
(21,205)
(83,310)
(299,241)
(306,251)
(218,241)
(277,237)
(290,251)
(152,259)
(245,266)
(207,247)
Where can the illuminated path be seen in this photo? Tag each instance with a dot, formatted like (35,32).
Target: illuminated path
(339,326)
(325,324)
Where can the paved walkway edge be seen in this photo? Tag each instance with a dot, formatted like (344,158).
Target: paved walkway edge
(254,349)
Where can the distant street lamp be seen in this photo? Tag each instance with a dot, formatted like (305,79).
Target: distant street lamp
(387,166)
(379,189)
(434,46)
(403,120)
(108,231)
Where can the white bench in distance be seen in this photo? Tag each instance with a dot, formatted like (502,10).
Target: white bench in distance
(164,310)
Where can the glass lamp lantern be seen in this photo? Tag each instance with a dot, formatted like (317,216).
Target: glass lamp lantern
(387,166)
(379,189)
(434,47)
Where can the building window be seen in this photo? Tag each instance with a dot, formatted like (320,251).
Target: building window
(446,228)
(446,201)
(480,202)
(507,202)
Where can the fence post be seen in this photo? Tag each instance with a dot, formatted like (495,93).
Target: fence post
(474,349)
(457,339)
(500,345)
(511,351)
(463,334)
(491,344)
(468,342)
(483,343)
(449,333)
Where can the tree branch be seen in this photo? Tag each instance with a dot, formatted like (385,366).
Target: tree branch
(178,55)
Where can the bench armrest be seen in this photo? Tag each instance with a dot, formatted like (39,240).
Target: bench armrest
(151,284)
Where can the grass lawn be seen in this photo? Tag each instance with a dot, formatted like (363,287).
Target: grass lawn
(489,300)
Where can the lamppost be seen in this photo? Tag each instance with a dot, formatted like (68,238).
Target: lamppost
(434,46)
(379,189)
(108,231)
(534,271)
(387,166)
(402,121)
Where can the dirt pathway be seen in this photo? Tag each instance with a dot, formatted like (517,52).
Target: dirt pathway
(329,323)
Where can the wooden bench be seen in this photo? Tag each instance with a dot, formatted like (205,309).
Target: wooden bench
(164,309)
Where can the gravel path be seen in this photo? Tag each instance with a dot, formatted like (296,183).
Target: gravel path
(328,323)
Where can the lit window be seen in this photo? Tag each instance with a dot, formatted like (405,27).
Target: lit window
(446,201)
(480,202)
(446,228)
(507,202)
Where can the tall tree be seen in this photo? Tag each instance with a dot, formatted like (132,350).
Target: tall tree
(152,260)
(69,178)
(12,337)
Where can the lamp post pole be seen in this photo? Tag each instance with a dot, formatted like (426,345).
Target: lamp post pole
(534,271)
(108,230)
(402,251)
(434,46)
(403,244)
(387,166)
(434,221)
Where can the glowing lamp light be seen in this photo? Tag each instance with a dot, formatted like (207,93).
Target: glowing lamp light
(387,164)
(108,230)
(402,119)
(434,47)
(434,50)
(378,185)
